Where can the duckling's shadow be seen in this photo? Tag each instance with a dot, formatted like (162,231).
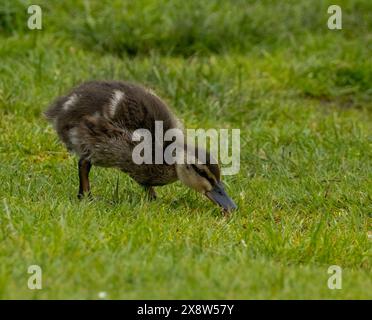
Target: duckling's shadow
(124,197)
(127,197)
(134,197)
(195,205)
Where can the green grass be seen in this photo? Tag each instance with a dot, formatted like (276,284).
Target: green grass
(301,95)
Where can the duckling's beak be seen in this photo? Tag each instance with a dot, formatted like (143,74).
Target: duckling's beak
(219,196)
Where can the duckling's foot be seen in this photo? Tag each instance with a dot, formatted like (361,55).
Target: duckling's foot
(150,193)
(88,195)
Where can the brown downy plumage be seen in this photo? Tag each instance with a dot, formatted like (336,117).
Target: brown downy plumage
(96,120)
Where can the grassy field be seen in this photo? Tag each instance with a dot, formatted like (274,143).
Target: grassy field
(301,96)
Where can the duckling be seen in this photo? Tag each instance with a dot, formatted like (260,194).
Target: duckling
(97,120)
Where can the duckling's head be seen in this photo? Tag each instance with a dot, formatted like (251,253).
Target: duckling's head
(205,178)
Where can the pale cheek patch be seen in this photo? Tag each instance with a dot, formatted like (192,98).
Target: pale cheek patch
(200,184)
(70,102)
(207,186)
(116,99)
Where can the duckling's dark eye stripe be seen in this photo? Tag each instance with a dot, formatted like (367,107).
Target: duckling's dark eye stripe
(203,174)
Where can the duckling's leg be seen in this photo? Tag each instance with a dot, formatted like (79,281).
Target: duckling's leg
(150,193)
(84,186)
